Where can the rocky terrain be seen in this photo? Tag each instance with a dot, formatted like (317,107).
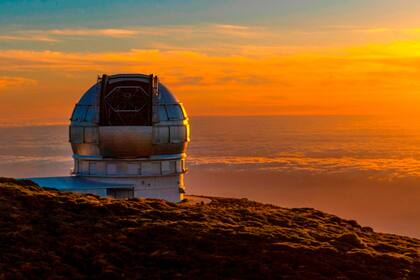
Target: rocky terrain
(47,234)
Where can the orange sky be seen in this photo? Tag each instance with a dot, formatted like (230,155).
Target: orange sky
(217,69)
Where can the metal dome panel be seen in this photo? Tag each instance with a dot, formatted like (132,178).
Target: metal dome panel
(166,96)
(90,97)
(165,132)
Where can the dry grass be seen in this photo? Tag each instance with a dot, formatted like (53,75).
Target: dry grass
(51,234)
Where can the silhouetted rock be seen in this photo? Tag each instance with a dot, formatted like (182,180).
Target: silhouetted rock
(47,234)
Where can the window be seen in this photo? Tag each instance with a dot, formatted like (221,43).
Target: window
(133,169)
(120,193)
(92,168)
(84,167)
(161,134)
(111,169)
(177,134)
(100,168)
(150,168)
(126,103)
(168,167)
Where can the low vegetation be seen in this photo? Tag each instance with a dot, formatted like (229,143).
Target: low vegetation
(51,234)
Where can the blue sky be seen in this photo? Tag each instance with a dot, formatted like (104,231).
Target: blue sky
(307,56)
(167,12)
(281,16)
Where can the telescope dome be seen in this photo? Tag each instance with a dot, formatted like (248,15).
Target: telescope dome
(128,116)
(129,136)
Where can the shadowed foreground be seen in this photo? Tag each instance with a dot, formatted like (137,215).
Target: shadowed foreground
(46,233)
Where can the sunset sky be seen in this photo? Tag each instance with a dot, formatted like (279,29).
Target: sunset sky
(278,57)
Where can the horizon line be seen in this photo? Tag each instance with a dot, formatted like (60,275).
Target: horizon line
(66,123)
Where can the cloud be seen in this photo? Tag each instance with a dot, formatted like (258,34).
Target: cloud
(368,79)
(12,159)
(228,38)
(385,168)
(10,82)
(238,30)
(372,29)
(28,37)
(357,28)
(55,35)
(110,32)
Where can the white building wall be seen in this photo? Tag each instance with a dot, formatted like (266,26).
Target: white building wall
(165,187)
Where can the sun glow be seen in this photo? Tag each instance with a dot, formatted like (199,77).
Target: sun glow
(236,77)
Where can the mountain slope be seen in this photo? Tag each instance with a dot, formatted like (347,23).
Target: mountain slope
(46,233)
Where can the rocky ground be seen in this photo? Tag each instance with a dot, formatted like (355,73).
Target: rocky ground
(46,234)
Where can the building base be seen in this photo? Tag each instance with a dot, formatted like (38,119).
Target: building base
(170,188)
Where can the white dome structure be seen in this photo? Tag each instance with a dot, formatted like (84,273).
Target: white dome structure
(129,137)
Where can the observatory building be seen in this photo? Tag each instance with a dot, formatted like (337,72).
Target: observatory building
(129,137)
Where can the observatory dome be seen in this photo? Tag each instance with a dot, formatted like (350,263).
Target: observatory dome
(120,116)
(129,128)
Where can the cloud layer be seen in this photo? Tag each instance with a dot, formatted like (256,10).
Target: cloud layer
(220,69)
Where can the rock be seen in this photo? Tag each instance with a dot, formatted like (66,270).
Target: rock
(47,234)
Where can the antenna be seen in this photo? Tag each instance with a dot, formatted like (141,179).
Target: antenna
(155,89)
